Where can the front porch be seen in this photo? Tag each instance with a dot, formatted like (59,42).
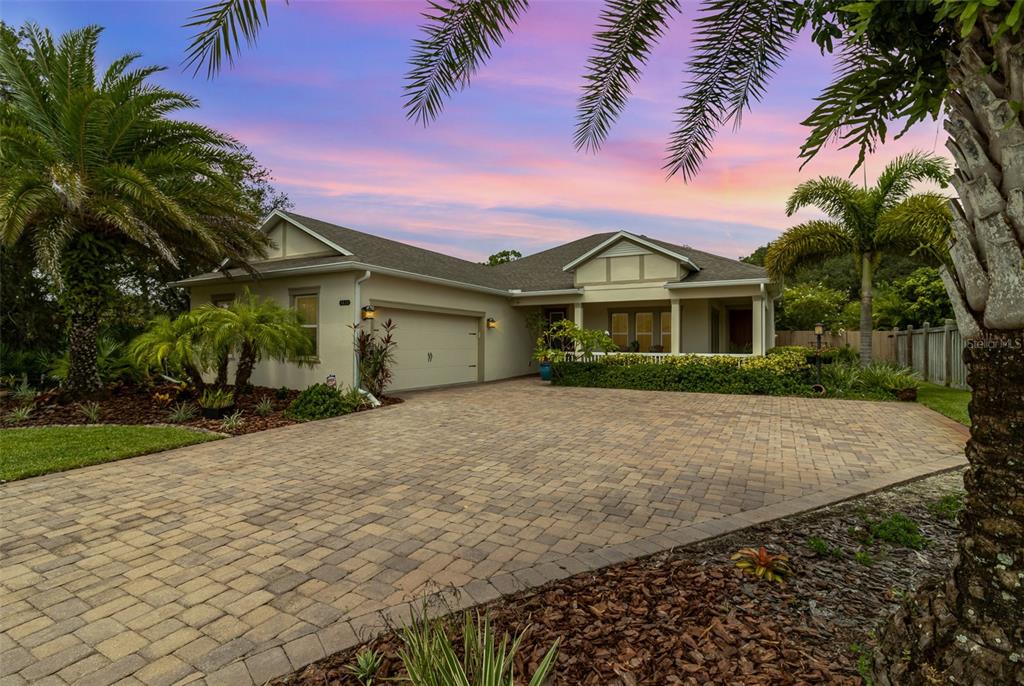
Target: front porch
(725,325)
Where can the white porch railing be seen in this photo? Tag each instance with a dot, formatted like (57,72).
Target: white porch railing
(658,358)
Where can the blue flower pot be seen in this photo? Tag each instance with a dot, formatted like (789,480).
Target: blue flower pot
(545,371)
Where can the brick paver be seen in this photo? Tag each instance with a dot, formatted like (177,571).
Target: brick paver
(241,559)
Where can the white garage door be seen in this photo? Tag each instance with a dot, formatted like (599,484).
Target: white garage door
(433,349)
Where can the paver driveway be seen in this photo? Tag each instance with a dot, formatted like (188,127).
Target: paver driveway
(240,559)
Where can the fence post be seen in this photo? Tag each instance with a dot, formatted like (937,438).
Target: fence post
(910,346)
(924,348)
(896,344)
(947,351)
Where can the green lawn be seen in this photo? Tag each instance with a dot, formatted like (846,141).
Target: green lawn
(40,450)
(951,402)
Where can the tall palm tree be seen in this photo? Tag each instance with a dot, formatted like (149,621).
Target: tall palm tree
(865,223)
(95,174)
(255,328)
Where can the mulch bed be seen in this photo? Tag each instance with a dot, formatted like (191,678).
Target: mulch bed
(137,405)
(690,617)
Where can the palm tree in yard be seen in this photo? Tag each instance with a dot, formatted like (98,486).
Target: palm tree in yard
(96,176)
(906,61)
(254,328)
(865,223)
(175,344)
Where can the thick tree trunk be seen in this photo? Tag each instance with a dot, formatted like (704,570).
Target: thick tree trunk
(866,320)
(83,371)
(246,364)
(222,369)
(969,629)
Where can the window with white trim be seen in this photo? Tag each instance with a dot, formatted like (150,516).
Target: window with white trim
(308,307)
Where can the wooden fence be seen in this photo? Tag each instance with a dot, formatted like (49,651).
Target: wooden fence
(934,352)
(883,343)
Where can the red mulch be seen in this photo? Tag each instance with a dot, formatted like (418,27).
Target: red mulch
(140,405)
(690,618)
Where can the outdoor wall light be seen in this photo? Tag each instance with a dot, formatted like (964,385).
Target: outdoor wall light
(491,323)
(369,312)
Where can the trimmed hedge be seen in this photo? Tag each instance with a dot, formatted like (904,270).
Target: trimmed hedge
(828,355)
(783,373)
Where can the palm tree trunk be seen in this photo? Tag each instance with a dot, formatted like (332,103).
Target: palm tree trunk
(969,629)
(866,323)
(83,371)
(246,364)
(222,369)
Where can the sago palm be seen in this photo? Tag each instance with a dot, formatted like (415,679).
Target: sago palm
(865,223)
(898,61)
(254,328)
(95,173)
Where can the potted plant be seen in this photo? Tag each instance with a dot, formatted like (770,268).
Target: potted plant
(217,403)
(546,355)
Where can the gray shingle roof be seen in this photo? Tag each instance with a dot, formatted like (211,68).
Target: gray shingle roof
(537,272)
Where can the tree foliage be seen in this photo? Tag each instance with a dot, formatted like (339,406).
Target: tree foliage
(804,305)
(503,257)
(915,299)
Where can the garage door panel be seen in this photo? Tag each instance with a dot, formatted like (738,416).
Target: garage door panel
(432,349)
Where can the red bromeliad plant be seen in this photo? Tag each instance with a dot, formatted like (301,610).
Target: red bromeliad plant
(763,564)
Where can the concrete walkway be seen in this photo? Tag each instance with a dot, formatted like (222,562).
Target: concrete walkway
(237,561)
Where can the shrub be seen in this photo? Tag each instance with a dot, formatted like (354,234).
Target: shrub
(948,506)
(430,659)
(375,352)
(91,411)
(366,666)
(265,406)
(232,422)
(216,398)
(320,401)
(111,361)
(899,529)
(877,380)
(18,414)
(182,412)
(785,373)
(828,354)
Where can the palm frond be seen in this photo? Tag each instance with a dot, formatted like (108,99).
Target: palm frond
(899,176)
(836,196)
(628,29)
(869,90)
(460,36)
(921,223)
(221,28)
(811,240)
(739,45)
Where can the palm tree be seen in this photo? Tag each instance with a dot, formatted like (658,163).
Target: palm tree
(96,175)
(253,328)
(905,61)
(865,223)
(173,345)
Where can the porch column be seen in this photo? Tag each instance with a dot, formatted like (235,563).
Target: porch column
(677,327)
(577,318)
(758,325)
(769,339)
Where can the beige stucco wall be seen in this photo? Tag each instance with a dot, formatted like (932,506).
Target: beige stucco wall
(291,241)
(506,348)
(335,335)
(660,267)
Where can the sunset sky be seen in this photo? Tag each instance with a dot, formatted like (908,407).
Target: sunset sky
(319,102)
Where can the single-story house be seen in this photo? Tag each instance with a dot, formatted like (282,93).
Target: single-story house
(461,322)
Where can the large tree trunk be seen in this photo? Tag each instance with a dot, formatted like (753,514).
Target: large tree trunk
(83,371)
(970,628)
(866,320)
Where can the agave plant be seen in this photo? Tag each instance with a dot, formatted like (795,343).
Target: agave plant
(762,564)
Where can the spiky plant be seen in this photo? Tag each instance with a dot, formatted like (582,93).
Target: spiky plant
(762,564)
(96,173)
(865,223)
